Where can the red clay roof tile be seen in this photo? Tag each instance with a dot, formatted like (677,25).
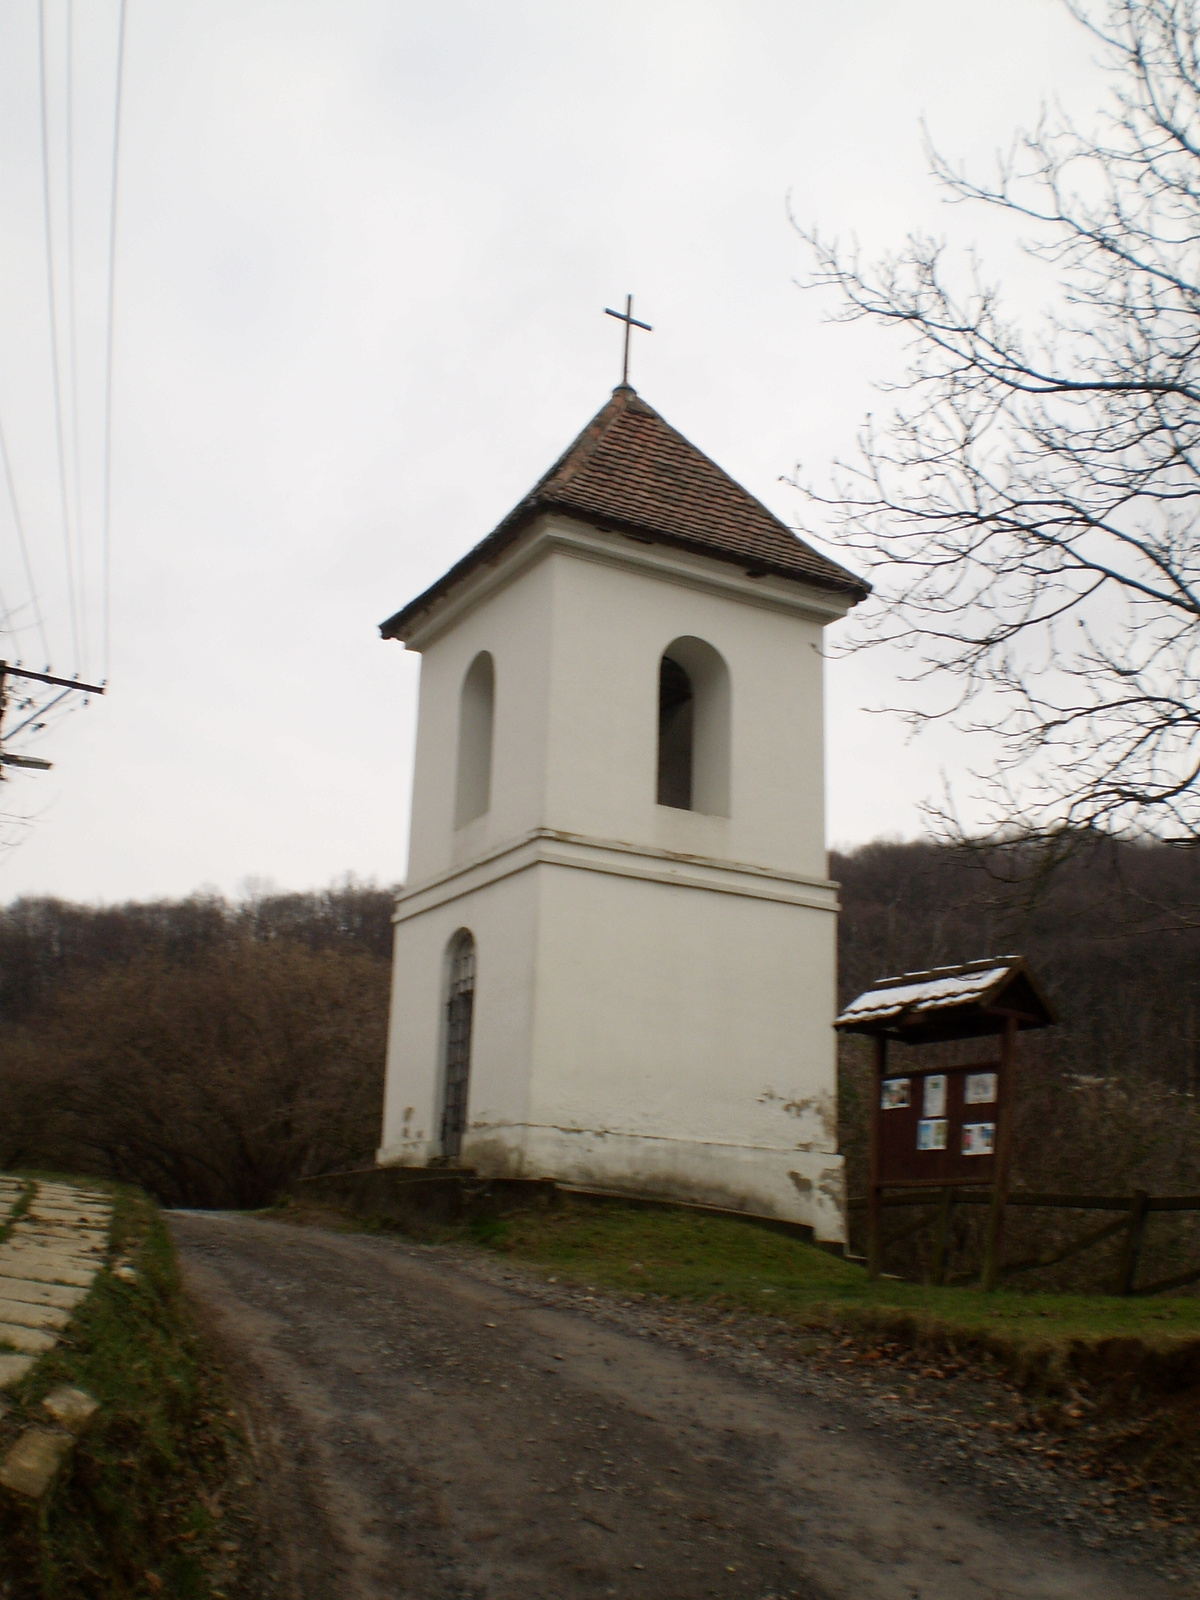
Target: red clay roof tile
(631,471)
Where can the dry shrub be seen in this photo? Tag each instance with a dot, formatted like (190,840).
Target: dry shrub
(212,1072)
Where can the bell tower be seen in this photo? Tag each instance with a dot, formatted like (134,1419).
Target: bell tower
(615,955)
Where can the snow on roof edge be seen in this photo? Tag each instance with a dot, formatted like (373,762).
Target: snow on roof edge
(935,994)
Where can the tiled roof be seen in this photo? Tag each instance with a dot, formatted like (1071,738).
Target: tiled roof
(632,472)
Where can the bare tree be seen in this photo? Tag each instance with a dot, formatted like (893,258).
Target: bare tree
(219,1081)
(213,1053)
(1031,510)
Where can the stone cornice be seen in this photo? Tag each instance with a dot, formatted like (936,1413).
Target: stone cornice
(553,532)
(550,847)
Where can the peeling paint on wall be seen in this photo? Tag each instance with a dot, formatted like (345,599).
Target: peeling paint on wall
(764,1182)
(818,1111)
(495,1157)
(833,1186)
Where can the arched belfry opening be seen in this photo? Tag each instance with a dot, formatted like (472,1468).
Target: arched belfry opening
(693,728)
(676,703)
(460,1006)
(473,787)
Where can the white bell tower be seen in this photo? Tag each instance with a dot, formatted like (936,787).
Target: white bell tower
(616,951)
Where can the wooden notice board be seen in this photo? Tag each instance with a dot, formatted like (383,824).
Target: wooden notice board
(946,1127)
(939,1126)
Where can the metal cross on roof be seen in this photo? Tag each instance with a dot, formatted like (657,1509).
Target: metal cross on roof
(630,321)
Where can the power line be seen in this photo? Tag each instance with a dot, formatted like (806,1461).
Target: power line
(108,344)
(20,525)
(53,298)
(6,614)
(72,324)
(42,711)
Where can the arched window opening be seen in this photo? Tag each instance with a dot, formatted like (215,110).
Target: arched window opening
(693,728)
(473,790)
(460,1005)
(675,707)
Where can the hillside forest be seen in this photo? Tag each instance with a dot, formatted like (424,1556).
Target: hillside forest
(216,1052)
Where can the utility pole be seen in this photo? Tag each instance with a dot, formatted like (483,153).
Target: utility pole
(68,686)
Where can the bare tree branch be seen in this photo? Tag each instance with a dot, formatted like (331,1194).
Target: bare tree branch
(1030,507)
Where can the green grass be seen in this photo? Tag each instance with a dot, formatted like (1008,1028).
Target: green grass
(689,1256)
(136,1515)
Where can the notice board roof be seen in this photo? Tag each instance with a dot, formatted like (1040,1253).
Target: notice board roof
(963,1002)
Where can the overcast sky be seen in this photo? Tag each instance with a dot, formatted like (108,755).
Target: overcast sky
(362,258)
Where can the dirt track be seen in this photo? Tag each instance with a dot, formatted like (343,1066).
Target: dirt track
(426,1429)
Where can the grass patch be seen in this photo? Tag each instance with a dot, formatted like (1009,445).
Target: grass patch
(139,1513)
(678,1254)
(689,1256)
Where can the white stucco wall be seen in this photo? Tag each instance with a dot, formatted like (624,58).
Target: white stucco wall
(681,1043)
(611,627)
(665,1011)
(515,627)
(576,644)
(655,988)
(502,917)
(630,1033)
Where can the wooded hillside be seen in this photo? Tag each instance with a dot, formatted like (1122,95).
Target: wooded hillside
(213,1052)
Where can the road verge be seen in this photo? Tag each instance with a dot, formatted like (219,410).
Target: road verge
(135,1510)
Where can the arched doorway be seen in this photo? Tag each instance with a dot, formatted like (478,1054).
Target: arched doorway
(460,1003)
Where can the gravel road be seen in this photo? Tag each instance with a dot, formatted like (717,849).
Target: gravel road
(433,1425)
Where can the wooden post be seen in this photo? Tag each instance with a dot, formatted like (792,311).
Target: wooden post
(874,1191)
(941,1239)
(1006,1116)
(1135,1228)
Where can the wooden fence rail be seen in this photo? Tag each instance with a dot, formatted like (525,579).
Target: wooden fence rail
(1133,1211)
